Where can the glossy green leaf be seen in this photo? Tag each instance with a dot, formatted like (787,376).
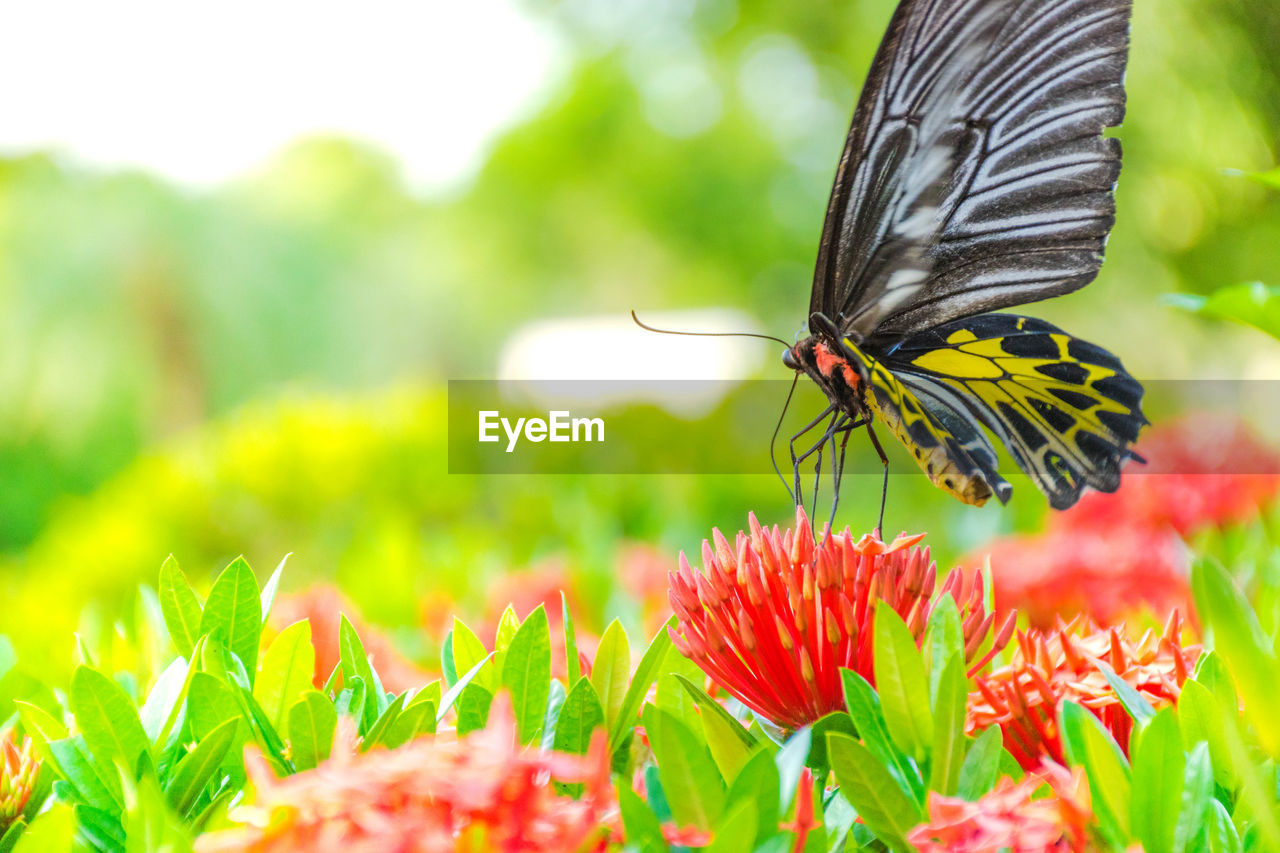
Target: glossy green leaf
(1202,720)
(52,832)
(791,760)
(180,605)
(645,675)
(160,710)
(468,650)
(570,642)
(417,718)
(355,660)
(96,783)
(526,673)
(736,829)
(107,718)
(580,715)
(508,624)
(867,785)
(1132,701)
(947,754)
(758,783)
(611,671)
(1159,768)
(944,639)
(1251,303)
(694,788)
(198,767)
(981,766)
(1197,791)
(1221,832)
(233,613)
(269,589)
(449,699)
(209,704)
(728,739)
(901,684)
(312,721)
(864,707)
(378,731)
(473,709)
(671,694)
(643,830)
(1103,761)
(1243,646)
(287,668)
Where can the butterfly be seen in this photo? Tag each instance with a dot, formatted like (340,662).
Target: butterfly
(975,177)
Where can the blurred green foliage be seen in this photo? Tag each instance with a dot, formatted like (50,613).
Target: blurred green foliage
(199,372)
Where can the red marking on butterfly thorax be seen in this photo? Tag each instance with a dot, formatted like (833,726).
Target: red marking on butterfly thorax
(829,362)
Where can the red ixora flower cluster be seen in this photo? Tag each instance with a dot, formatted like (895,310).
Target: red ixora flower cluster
(1112,554)
(19,768)
(1011,817)
(774,618)
(434,795)
(1049,667)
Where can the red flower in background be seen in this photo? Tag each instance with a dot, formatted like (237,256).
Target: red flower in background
(1049,667)
(774,619)
(1113,554)
(322,605)
(1012,817)
(478,793)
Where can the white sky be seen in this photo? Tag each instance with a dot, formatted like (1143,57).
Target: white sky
(200,92)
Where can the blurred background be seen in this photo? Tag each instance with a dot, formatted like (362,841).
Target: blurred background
(243,249)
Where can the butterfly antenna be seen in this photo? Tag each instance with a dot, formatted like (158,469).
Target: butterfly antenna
(649,328)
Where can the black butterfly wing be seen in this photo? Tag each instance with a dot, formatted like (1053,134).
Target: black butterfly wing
(898,160)
(1066,409)
(1024,204)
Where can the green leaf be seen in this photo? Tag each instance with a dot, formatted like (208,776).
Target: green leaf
(1159,766)
(159,712)
(671,694)
(611,671)
(312,721)
(736,830)
(1269,178)
(1197,791)
(356,661)
(867,785)
(695,791)
(383,724)
(268,596)
(447,668)
(944,640)
(460,685)
(107,718)
(39,724)
(473,708)
(195,770)
(948,735)
(96,783)
(468,650)
(1251,303)
(1202,720)
(181,607)
(508,624)
(570,642)
(580,715)
(646,673)
(209,704)
(1243,646)
(981,765)
(640,823)
(287,668)
(526,672)
(11,835)
(417,718)
(758,783)
(233,613)
(52,832)
(1221,832)
(790,761)
(864,707)
(1133,701)
(901,684)
(1104,764)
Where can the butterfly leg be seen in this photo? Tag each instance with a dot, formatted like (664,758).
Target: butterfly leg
(884,486)
(773,440)
(837,465)
(797,460)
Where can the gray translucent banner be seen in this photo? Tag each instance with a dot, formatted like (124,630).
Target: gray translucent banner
(714,427)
